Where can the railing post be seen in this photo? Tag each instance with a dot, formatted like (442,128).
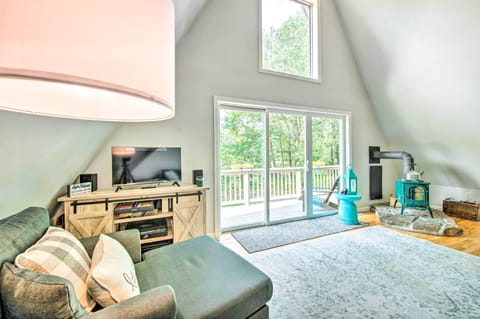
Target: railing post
(298,181)
(246,188)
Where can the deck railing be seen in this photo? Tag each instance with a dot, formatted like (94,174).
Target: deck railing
(246,186)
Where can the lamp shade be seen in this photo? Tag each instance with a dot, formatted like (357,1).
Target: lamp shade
(105,60)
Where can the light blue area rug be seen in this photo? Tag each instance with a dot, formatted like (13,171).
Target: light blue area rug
(261,238)
(371,272)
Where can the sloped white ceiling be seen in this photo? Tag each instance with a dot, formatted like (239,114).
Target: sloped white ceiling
(420,63)
(186,12)
(41,155)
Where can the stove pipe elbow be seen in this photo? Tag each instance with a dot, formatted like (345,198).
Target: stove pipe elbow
(408,161)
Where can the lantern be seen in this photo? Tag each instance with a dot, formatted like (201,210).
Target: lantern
(350,181)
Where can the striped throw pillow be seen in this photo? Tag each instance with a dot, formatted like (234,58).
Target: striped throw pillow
(59,253)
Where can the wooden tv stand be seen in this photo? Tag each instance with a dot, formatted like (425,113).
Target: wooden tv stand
(95,213)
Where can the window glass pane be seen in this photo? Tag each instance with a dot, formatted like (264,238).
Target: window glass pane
(287,166)
(325,141)
(325,164)
(242,168)
(286,43)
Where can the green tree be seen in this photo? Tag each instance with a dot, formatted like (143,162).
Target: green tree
(286,140)
(287,49)
(326,144)
(242,140)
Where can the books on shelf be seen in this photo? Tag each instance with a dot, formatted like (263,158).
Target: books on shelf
(134,207)
(123,207)
(123,215)
(145,205)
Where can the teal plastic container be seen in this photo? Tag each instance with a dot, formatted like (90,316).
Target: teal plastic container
(347,210)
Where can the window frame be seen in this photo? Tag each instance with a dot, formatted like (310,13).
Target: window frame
(315,44)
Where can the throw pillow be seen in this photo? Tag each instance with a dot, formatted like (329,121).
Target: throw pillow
(112,277)
(59,253)
(26,294)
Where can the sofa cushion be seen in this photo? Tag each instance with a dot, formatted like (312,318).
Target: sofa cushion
(129,238)
(210,281)
(59,253)
(112,276)
(26,294)
(21,231)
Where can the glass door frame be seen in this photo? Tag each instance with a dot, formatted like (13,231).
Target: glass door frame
(218,183)
(268,112)
(345,146)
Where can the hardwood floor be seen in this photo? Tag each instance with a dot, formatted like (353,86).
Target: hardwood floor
(469,242)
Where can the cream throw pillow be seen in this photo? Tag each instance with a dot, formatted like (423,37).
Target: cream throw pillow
(112,277)
(59,253)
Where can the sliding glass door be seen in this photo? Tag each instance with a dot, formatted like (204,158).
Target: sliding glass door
(286,150)
(241,155)
(325,171)
(275,164)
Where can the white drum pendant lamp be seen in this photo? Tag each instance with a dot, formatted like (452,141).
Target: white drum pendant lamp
(105,60)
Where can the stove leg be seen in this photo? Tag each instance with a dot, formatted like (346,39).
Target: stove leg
(430,210)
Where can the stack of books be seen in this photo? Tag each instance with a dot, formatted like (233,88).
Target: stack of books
(132,209)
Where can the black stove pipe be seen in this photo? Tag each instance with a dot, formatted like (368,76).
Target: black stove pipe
(408,162)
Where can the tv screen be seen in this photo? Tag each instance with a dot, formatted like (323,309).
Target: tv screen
(132,165)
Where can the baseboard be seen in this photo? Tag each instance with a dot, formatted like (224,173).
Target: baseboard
(366,209)
(363,209)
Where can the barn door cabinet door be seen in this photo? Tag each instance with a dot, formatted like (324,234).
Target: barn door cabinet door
(88,220)
(189,217)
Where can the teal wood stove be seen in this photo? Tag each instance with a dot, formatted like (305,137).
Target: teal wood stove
(412,193)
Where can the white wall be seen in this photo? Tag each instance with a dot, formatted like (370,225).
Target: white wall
(420,64)
(186,12)
(438,193)
(219,56)
(41,155)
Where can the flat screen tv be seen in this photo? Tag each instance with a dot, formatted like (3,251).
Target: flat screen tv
(136,165)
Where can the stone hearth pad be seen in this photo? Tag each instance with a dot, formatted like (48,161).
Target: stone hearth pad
(419,221)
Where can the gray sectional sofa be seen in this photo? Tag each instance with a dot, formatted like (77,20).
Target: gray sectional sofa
(197,278)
